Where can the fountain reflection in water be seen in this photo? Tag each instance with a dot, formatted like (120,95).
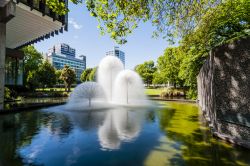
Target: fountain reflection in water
(120,124)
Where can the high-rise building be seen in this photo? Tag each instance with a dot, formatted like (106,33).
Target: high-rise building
(62,54)
(118,53)
(64,49)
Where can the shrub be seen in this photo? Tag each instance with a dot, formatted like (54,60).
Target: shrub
(172,92)
(10,94)
(7,94)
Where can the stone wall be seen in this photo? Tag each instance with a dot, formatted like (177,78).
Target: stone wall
(224,91)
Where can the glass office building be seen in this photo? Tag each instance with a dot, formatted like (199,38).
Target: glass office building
(118,53)
(62,54)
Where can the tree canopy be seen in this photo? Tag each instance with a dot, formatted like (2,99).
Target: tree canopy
(168,67)
(120,17)
(85,74)
(32,60)
(89,74)
(146,71)
(68,75)
(46,74)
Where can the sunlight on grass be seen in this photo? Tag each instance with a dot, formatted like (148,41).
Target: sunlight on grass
(151,91)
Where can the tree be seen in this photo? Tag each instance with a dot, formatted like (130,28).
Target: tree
(32,80)
(171,18)
(46,74)
(32,60)
(85,74)
(146,71)
(221,24)
(92,75)
(158,78)
(58,75)
(89,74)
(120,17)
(168,66)
(68,75)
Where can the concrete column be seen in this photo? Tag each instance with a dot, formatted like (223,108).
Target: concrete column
(2,61)
(7,12)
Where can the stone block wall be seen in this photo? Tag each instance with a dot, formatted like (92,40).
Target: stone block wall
(224,91)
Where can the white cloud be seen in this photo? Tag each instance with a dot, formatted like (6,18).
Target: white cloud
(74,23)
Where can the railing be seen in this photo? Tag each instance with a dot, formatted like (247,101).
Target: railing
(40,6)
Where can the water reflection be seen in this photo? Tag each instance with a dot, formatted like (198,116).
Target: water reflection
(121,124)
(172,135)
(107,133)
(189,141)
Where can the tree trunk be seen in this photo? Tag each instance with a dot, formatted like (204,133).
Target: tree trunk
(69,87)
(65,86)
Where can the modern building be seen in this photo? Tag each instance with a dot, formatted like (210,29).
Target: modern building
(62,54)
(118,53)
(23,22)
(64,49)
(14,68)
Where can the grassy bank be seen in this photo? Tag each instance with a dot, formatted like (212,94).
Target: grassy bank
(151,91)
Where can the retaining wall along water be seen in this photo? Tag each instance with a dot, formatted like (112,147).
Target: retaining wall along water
(224,91)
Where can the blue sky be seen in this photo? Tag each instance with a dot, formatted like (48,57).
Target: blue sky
(84,36)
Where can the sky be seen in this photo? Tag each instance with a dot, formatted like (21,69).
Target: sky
(84,36)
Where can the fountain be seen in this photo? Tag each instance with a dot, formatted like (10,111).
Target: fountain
(87,95)
(108,69)
(129,89)
(114,86)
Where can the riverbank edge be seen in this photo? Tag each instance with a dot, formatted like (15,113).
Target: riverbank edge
(32,106)
(29,107)
(224,137)
(158,98)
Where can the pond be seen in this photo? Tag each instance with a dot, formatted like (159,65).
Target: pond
(172,134)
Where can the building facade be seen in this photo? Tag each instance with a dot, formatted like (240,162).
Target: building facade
(118,53)
(62,54)
(24,22)
(14,67)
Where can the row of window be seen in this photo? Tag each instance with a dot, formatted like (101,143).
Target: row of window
(61,65)
(80,64)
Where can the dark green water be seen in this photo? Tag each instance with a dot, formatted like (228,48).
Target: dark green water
(171,135)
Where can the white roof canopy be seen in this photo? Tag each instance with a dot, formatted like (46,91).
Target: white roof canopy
(28,25)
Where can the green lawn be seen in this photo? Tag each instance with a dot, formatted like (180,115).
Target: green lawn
(151,91)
